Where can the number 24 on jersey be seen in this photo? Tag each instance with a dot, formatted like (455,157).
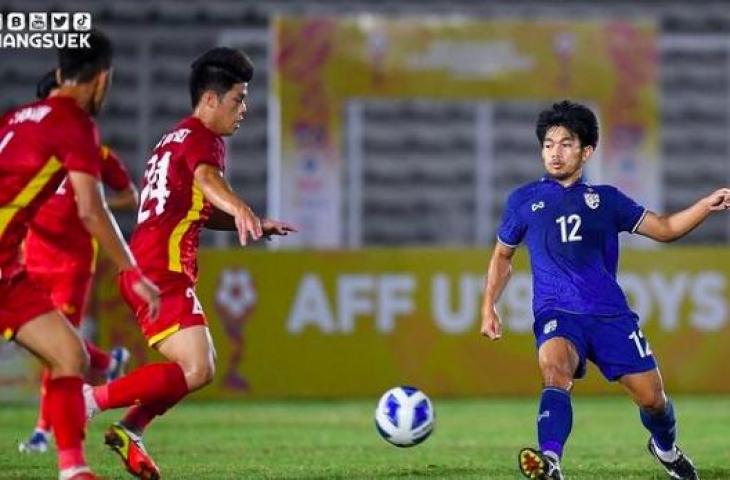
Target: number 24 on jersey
(155,187)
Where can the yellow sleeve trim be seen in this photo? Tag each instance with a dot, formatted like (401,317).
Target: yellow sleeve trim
(104,152)
(29,192)
(94,254)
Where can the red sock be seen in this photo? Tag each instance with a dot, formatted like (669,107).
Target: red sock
(44,420)
(98,358)
(139,416)
(68,419)
(153,383)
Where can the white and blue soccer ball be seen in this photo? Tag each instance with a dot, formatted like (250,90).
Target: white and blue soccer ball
(404,416)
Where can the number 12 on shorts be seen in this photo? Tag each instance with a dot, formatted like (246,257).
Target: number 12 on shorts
(638,338)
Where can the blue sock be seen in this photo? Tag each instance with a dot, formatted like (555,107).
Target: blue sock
(554,420)
(663,426)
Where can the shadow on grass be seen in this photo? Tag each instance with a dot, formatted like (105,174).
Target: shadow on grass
(714,473)
(654,473)
(435,471)
(432,471)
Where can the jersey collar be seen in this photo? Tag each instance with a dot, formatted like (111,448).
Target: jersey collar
(550,180)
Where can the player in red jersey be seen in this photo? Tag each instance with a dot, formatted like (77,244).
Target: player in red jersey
(40,143)
(61,255)
(184,190)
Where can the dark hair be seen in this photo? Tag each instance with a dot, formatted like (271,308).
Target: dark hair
(81,64)
(46,84)
(218,70)
(577,118)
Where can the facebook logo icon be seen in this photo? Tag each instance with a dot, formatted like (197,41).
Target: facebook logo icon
(15,21)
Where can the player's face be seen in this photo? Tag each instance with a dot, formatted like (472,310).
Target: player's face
(562,153)
(231,109)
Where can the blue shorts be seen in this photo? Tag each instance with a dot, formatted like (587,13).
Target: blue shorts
(614,343)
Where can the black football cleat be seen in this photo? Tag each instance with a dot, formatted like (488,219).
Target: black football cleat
(535,465)
(682,468)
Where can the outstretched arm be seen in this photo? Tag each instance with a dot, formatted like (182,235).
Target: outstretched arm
(218,192)
(498,274)
(670,227)
(220,220)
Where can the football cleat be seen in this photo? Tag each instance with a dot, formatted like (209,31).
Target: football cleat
(119,358)
(537,466)
(682,468)
(37,443)
(130,449)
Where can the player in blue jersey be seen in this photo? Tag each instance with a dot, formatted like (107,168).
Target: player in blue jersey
(571,230)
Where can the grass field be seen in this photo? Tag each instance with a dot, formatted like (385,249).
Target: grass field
(336,440)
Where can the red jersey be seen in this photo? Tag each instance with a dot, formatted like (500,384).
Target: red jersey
(39,143)
(172,209)
(57,240)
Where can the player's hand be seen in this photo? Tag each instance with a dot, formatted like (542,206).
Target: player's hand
(274,227)
(247,223)
(491,324)
(148,291)
(719,199)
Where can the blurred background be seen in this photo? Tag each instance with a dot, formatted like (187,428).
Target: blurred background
(391,133)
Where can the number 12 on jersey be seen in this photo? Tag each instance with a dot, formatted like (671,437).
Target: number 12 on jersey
(572,222)
(637,337)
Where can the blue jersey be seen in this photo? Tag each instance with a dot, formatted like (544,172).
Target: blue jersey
(572,237)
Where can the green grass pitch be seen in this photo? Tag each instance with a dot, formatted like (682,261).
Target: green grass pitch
(336,440)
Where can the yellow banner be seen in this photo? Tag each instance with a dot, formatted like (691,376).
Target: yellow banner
(351,324)
(322,63)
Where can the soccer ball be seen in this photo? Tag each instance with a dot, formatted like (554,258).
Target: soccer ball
(404,416)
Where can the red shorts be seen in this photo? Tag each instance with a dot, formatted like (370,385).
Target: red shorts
(69,292)
(179,306)
(21,300)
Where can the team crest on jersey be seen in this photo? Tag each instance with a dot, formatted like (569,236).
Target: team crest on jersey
(592,200)
(550,327)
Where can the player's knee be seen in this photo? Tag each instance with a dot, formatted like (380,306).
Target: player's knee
(556,375)
(208,374)
(72,362)
(653,401)
(200,375)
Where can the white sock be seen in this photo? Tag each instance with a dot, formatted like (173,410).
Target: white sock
(67,473)
(135,436)
(112,365)
(551,454)
(669,456)
(92,408)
